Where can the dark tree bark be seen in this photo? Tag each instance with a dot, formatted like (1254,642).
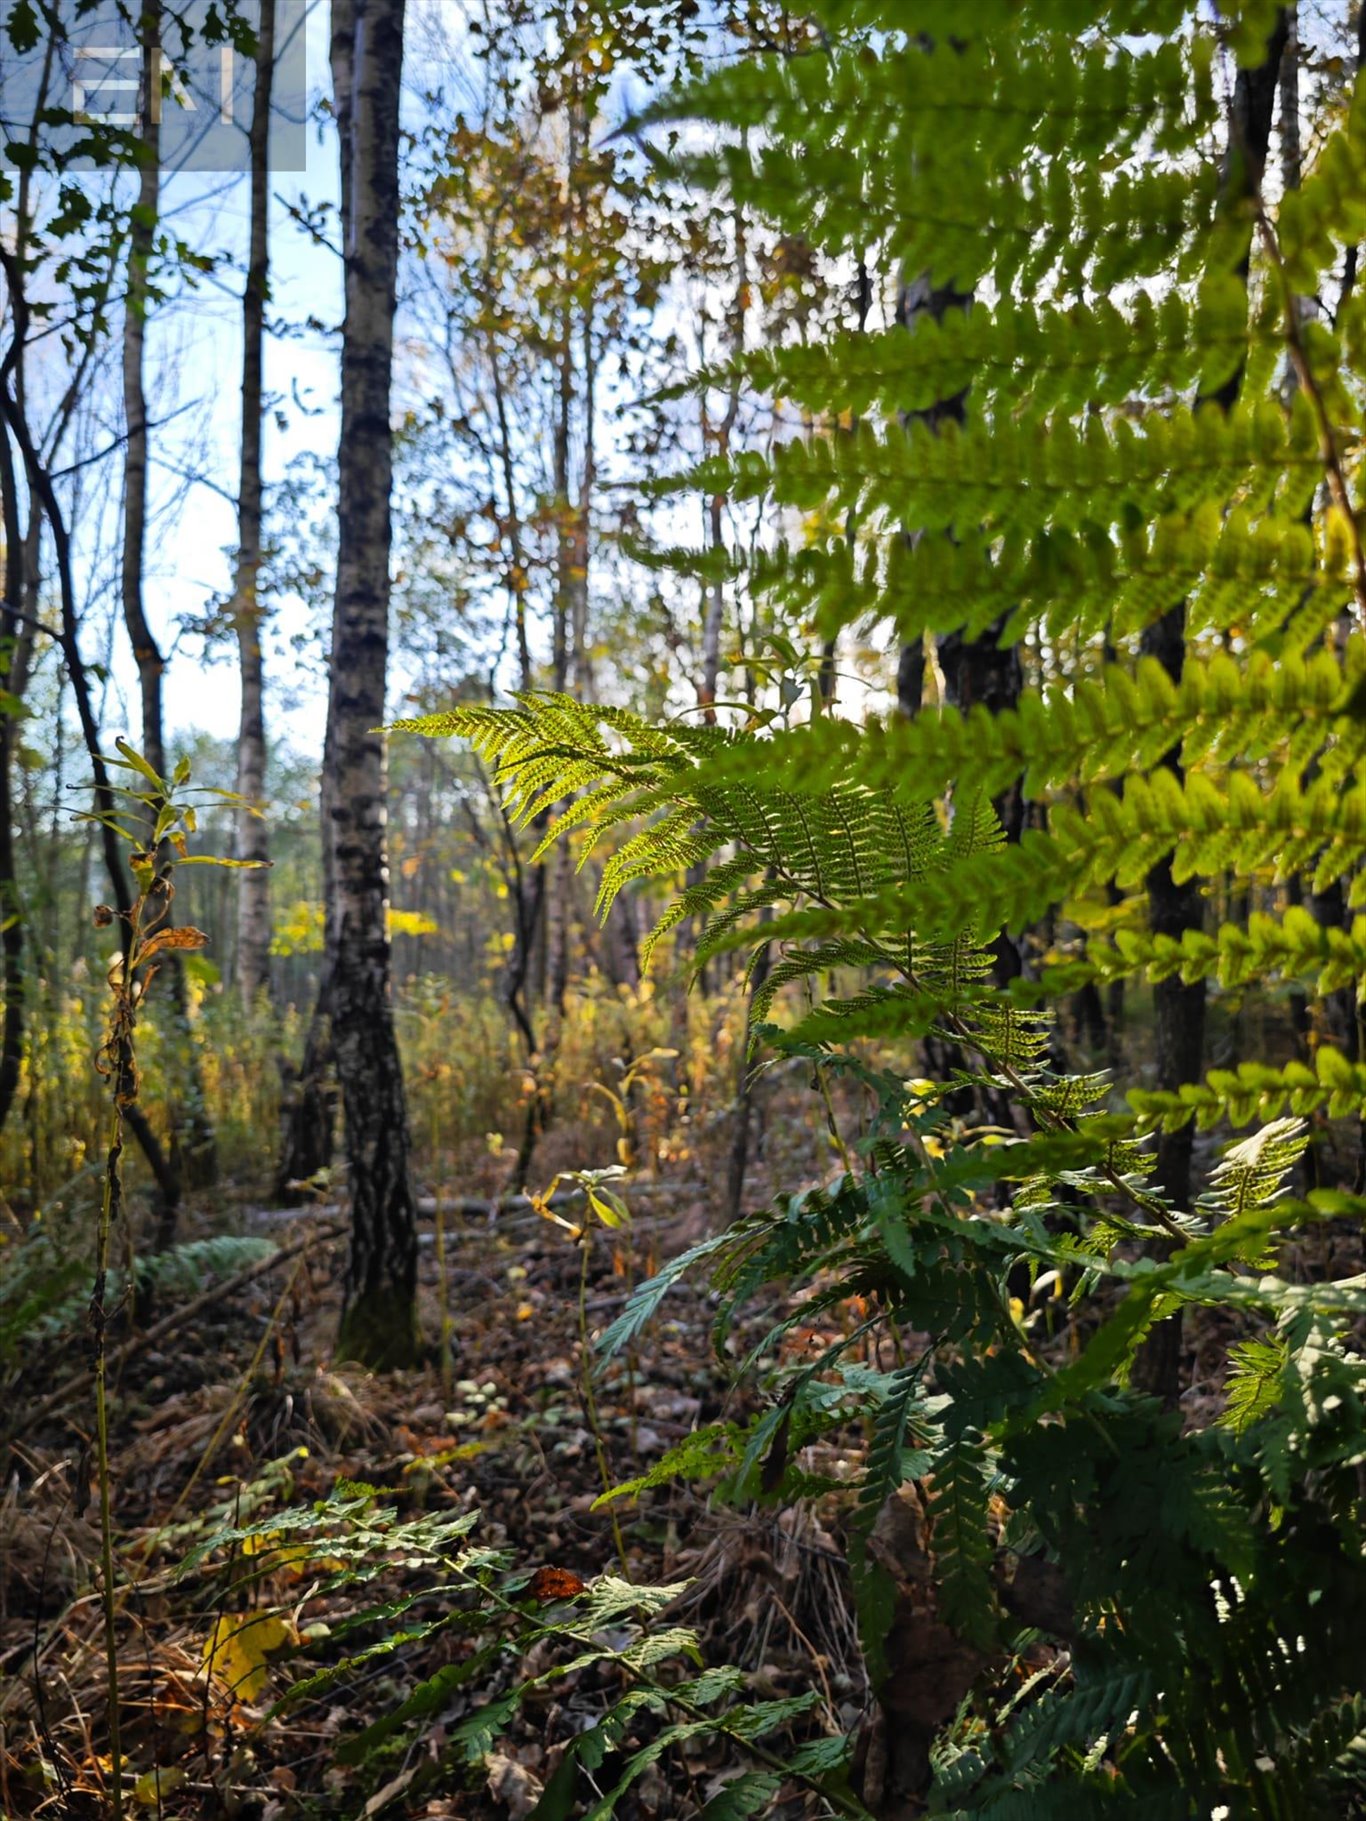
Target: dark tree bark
(253,888)
(11,907)
(737,1163)
(309,1112)
(1179,1007)
(192,1137)
(379,1320)
(164,1168)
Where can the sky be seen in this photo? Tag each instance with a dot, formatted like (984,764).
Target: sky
(194,360)
(194,353)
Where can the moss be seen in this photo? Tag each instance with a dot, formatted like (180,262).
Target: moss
(379,1329)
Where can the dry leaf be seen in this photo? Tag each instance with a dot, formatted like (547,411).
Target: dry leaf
(555,1584)
(170,939)
(512,1784)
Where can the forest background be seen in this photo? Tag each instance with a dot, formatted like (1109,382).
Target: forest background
(286,458)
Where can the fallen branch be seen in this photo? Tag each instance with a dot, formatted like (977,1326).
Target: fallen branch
(78,1382)
(475,1207)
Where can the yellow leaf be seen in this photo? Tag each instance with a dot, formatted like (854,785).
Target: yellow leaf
(610,1209)
(237,1649)
(261,1545)
(411,923)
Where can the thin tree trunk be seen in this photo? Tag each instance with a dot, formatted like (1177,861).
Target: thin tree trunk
(192,1132)
(253,884)
(308,1139)
(562,871)
(141,237)
(528,893)
(309,1136)
(11,907)
(737,1164)
(715,440)
(13,409)
(379,1320)
(718,442)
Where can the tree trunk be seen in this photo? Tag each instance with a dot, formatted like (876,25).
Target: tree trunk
(1172,909)
(192,1136)
(309,1112)
(11,909)
(253,884)
(379,1320)
(164,1168)
(737,1163)
(308,1138)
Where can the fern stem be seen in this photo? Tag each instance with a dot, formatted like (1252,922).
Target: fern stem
(589,1396)
(99,1325)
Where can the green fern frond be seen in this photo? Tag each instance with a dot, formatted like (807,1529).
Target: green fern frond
(1328,209)
(1251,1174)
(1089,730)
(748,1794)
(1291,946)
(1253,1385)
(961,1540)
(1258,1090)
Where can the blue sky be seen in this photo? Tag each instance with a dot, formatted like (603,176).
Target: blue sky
(194,355)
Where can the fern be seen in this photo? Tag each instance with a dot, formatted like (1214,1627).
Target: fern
(180,1271)
(961,1540)
(1254,1381)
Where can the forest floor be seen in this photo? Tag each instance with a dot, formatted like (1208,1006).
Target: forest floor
(239,1413)
(244,1411)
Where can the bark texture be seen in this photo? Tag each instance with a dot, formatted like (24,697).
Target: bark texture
(379,1320)
(253,885)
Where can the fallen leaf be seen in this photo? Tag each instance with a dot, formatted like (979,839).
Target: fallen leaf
(391,1791)
(512,1784)
(555,1584)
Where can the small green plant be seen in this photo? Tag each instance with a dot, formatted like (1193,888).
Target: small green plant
(277,1580)
(604,1208)
(156,817)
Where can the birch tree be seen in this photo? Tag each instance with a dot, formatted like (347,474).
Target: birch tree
(253,889)
(379,1324)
